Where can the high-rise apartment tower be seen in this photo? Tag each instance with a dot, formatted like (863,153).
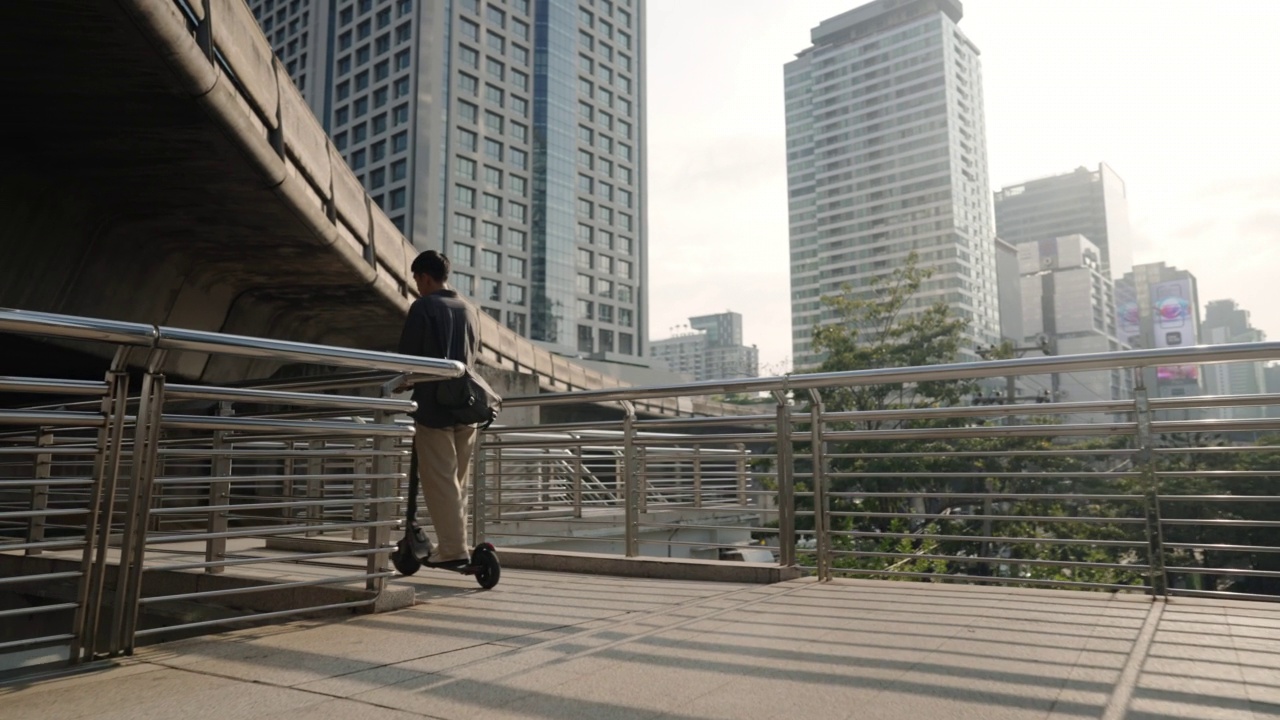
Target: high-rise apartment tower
(507,133)
(887,155)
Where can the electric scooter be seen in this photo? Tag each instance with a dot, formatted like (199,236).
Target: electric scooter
(413,549)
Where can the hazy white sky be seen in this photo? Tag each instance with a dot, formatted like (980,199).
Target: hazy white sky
(1179,97)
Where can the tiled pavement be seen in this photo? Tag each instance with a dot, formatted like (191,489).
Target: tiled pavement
(545,645)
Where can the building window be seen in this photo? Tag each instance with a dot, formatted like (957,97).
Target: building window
(402,87)
(464,226)
(469,57)
(516,211)
(468,84)
(495,68)
(382,45)
(397,198)
(519,158)
(586,258)
(520,106)
(625,221)
(493,177)
(520,80)
(490,290)
(468,111)
(625,244)
(379,123)
(465,196)
(624,268)
(359,134)
(403,32)
(496,42)
(586,209)
(586,159)
(402,60)
(624,293)
(378,150)
(493,204)
(357,160)
(606,340)
(493,149)
(491,261)
(606,239)
(624,344)
(493,121)
(382,70)
(496,16)
(515,266)
(585,183)
(605,312)
(517,185)
(516,240)
(624,317)
(465,168)
(585,339)
(520,54)
(515,294)
(520,29)
(585,134)
(606,215)
(585,233)
(464,254)
(493,94)
(586,310)
(516,322)
(586,284)
(467,139)
(400,142)
(400,115)
(463,282)
(470,30)
(491,232)
(377,178)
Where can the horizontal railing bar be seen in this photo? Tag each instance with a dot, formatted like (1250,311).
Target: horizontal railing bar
(1220,523)
(44,577)
(205,479)
(10,383)
(987,496)
(983,432)
(973,560)
(37,609)
(1064,452)
(29,483)
(963,411)
(203,509)
(200,392)
(41,513)
(995,579)
(44,640)
(1203,401)
(1202,354)
(1222,548)
(1218,473)
(1241,572)
(260,532)
(1000,518)
(980,475)
(322,427)
(1224,594)
(257,560)
(1220,498)
(992,538)
(1214,426)
(27,322)
(52,418)
(273,454)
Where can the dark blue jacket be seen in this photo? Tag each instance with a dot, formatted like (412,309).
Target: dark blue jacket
(440,325)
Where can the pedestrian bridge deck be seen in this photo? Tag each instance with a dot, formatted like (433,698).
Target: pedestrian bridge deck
(549,645)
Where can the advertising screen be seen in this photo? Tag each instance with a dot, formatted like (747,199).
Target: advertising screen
(1174,324)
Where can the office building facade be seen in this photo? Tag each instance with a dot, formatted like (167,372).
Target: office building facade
(1227,323)
(508,134)
(711,349)
(1158,306)
(1085,202)
(886,155)
(1068,307)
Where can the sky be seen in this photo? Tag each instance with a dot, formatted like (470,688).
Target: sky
(1179,97)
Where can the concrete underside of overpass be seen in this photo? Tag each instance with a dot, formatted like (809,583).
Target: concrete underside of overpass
(123,200)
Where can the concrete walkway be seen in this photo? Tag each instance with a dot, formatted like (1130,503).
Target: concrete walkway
(545,645)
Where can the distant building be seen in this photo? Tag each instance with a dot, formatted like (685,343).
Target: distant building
(1067,307)
(1226,323)
(1085,202)
(509,135)
(712,349)
(1157,306)
(886,155)
(1009,291)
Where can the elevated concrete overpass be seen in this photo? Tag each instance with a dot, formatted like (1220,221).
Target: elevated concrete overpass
(161,167)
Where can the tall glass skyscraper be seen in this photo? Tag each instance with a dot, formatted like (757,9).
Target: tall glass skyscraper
(507,133)
(886,155)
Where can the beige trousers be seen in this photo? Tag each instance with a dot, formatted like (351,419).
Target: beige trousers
(444,468)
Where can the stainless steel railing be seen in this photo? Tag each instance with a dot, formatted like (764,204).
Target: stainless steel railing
(1122,490)
(131,496)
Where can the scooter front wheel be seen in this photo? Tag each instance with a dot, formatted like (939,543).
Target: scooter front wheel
(488,569)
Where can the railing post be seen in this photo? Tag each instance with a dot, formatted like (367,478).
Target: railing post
(697,476)
(498,478)
(821,518)
(577,483)
(786,483)
(639,465)
(379,510)
(138,512)
(741,467)
(314,514)
(97,532)
(363,489)
(630,491)
(479,490)
(219,495)
(40,493)
(1146,459)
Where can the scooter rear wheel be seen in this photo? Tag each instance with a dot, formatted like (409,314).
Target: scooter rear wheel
(488,569)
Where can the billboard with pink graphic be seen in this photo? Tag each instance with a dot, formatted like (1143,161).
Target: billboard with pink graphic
(1174,324)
